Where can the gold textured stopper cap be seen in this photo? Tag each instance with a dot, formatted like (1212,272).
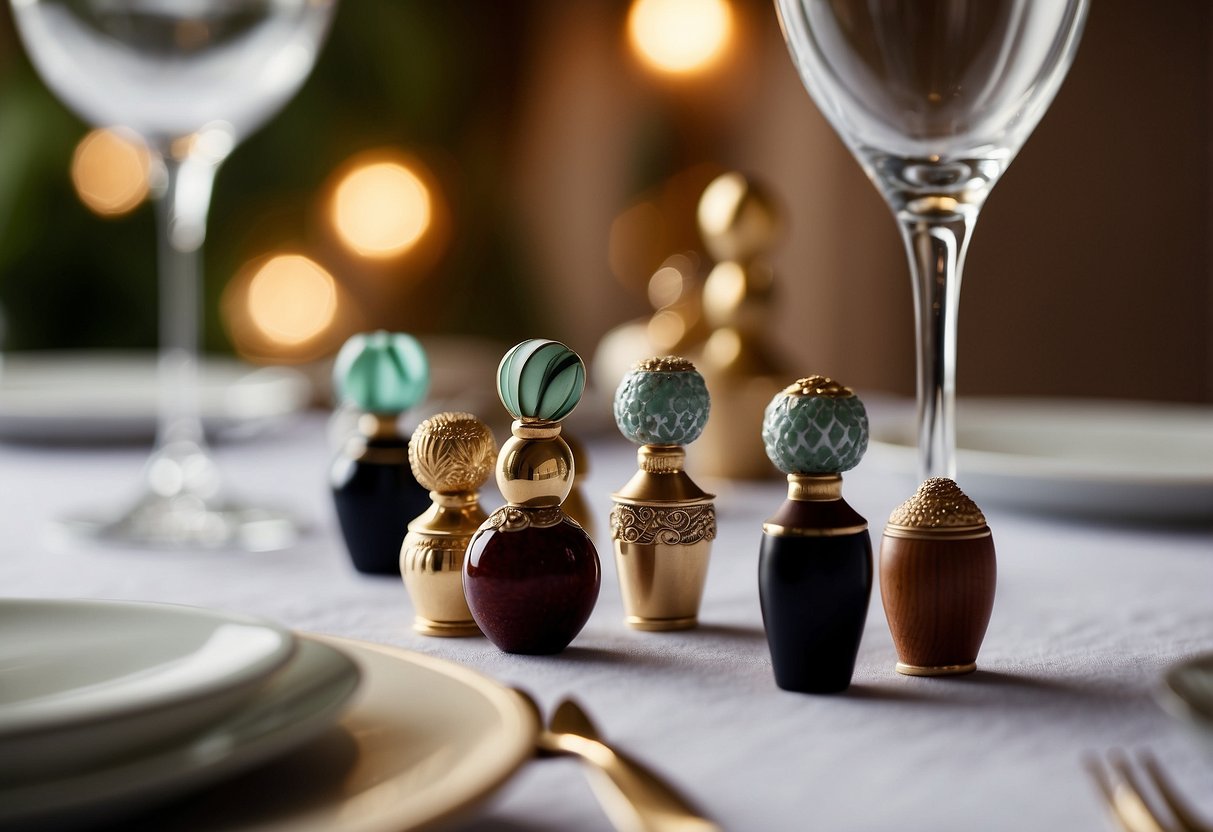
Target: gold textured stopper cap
(938,508)
(452,452)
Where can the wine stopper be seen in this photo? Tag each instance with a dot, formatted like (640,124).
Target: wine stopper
(383,374)
(815,566)
(663,524)
(937,577)
(451,454)
(531,574)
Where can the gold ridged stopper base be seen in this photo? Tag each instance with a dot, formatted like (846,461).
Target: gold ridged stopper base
(660,625)
(945,670)
(445,629)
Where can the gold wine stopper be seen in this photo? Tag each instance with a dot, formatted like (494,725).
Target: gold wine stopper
(452,454)
(663,524)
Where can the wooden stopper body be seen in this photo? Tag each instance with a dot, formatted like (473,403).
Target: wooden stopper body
(938,594)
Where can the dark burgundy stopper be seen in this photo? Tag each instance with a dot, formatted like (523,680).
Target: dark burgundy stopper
(532,590)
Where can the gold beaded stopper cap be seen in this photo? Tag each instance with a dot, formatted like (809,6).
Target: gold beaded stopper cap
(452,452)
(939,508)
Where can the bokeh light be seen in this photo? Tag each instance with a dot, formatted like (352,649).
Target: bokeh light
(381,209)
(110,172)
(680,37)
(291,299)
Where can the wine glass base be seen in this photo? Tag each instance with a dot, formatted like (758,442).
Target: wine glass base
(186,523)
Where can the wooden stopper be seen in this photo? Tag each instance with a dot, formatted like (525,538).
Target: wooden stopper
(937,580)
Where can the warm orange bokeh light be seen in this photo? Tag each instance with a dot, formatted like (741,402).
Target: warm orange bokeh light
(680,37)
(381,209)
(291,299)
(110,172)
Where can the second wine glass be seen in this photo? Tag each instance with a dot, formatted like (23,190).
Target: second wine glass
(190,79)
(934,98)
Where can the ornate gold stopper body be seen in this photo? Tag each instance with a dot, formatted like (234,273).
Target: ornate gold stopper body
(937,580)
(452,455)
(663,524)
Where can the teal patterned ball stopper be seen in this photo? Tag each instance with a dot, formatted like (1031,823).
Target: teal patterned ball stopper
(382,372)
(662,401)
(540,380)
(815,426)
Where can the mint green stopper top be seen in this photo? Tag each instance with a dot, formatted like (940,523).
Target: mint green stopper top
(662,401)
(540,379)
(381,372)
(815,426)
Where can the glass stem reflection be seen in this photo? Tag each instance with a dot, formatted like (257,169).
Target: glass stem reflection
(936,241)
(181,463)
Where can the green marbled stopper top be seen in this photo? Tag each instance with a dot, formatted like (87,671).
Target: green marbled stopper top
(815,427)
(381,372)
(540,379)
(662,402)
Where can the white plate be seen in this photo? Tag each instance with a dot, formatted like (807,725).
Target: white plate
(423,741)
(1140,461)
(87,681)
(111,396)
(296,705)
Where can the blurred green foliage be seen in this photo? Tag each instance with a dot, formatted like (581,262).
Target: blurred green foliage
(433,78)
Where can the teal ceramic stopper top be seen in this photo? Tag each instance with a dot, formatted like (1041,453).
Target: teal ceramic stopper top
(382,372)
(540,379)
(662,401)
(815,426)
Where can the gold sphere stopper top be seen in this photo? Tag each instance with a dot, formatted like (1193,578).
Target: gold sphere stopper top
(452,452)
(737,219)
(938,506)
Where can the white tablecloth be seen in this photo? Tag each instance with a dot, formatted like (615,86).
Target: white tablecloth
(1086,619)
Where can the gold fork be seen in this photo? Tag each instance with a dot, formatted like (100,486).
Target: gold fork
(1130,801)
(635,798)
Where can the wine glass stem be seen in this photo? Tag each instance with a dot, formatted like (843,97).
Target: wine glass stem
(936,246)
(180,228)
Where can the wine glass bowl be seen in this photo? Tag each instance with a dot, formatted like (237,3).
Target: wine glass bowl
(191,78)
(934,98)
(166,68)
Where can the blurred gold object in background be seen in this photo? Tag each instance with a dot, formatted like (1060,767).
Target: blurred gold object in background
(739,224)
(677,326)
(576,505)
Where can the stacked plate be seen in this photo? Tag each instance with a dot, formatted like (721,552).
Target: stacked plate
(115,711)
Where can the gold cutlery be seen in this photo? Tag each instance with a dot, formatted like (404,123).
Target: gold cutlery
(1134,804)
(635,798)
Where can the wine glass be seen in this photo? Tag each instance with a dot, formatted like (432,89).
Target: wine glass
(190,78)
(934,98)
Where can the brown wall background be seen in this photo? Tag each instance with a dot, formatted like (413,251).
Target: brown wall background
(1090,269)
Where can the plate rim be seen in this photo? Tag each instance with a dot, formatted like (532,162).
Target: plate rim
(269,746)
(1018,465)
(506,702)
(249,676)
